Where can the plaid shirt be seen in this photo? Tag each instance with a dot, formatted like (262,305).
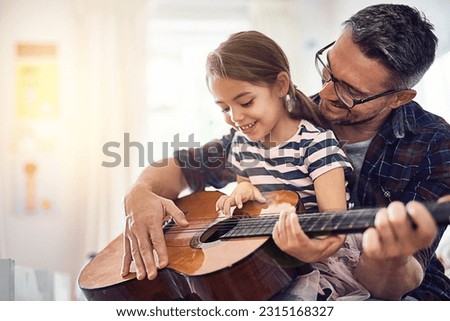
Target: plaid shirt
(409,159)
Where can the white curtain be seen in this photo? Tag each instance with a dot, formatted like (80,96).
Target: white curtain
(111,71)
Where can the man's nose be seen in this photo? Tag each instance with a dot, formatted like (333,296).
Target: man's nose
(328,92)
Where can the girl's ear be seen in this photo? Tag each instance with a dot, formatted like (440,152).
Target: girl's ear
(282,84)
(402,97)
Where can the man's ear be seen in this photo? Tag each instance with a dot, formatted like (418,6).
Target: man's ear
(282,83)
(402,97)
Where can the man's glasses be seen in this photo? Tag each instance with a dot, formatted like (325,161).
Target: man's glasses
(342,91)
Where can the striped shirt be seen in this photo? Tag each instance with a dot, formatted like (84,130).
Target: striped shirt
(292,165)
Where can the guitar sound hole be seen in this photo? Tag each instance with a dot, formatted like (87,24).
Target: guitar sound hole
(214,232)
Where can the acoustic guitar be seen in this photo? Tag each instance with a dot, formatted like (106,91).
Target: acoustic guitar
(215,258)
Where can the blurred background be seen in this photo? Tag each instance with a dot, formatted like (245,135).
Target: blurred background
(92,91)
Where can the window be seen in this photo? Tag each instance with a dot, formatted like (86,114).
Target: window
(181,34)
(432,91)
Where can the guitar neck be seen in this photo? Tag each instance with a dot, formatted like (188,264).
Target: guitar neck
(354,221)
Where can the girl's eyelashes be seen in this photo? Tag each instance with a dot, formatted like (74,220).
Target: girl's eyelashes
(247,104)
(226,110)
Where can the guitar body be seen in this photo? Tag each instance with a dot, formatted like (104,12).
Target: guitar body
(202,266)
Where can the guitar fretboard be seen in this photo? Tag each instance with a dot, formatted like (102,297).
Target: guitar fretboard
(353,221)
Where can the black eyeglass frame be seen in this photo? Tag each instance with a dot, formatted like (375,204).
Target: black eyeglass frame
(336,82)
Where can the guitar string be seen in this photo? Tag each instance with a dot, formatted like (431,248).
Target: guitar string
(361,218)
(248,224)
(270,217)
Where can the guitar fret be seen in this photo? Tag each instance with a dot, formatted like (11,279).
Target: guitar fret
(263,227)
(269,223)
(307,222)
(339,221)
(326,220)
(365,220)
(345,222)
(311,227)
(353,221)
(256,230)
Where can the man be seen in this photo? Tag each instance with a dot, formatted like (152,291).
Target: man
(400,153)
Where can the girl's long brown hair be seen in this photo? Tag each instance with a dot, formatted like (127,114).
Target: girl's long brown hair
(255,58)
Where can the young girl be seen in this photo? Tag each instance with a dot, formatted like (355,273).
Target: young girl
(280,144)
